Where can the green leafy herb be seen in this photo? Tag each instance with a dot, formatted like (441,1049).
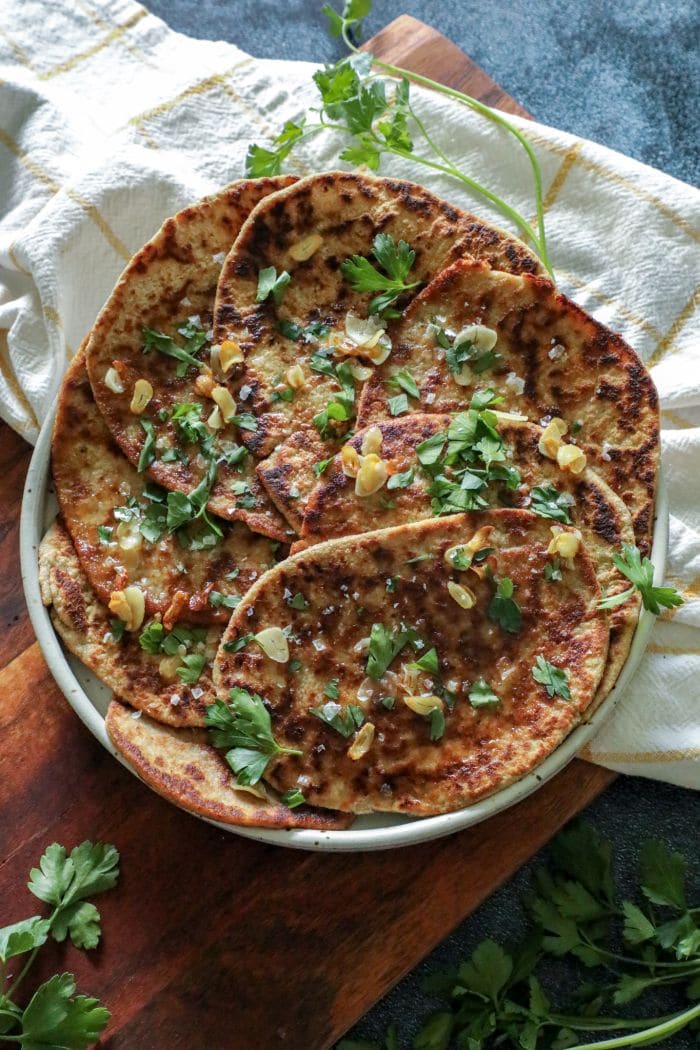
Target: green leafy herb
(345,720)
(552,570)
(391,584)
(295,332)
(419,558)
(104,533)
(332,690)
(482,695)
(297,601)
(437,723)
(395,259)
(403,380)
(428,662)
(384,646)
(322,466)
(335,412)
(503,609)
(554,679)
(270,284)
(194,337)
(243,727)
(192,666)
(117,627)
(245,421)
(640,572)
(548,503)
(236,644)
(400,481)
(397,405)
(293,798)
(227,601)
(148,450)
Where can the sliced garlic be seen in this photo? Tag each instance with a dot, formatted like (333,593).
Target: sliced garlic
(462,595)
(565,544)
(508,417)
(113,381)
(204,384)
(305,248)
(379,353)
(227,406)
(214,420)
(371,476)
(350,460)
(362,742)
(360,372)
(295,377)
(571,458)
(423,705)
(273,642)
(481,337)
(551,437)
(372,441)
(230,354)
(167,668)
(143,392)
(464,377)
(365,333)
(129,605)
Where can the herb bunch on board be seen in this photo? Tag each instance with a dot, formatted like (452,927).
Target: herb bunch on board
(378,116)
(55,1017)
(616,949)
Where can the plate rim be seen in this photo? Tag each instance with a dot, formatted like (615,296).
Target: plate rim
(412,831)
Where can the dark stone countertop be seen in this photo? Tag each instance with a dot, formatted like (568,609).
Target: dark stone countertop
(626,75)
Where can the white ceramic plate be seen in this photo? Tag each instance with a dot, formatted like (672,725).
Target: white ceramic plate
(89,698)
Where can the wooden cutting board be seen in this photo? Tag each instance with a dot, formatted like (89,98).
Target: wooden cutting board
(212,942)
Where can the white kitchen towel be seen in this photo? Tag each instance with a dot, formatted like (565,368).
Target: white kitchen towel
(110,122)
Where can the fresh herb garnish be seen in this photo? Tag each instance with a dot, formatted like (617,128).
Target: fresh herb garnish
(243,727)
(271,284)
(396,260)
(345,720)
(236,644)
(552,570)
(419,558)
(385,645)
(191,669)
(297,601)
(335,412)
(503,609)
(482,695)
(225,601)
(311,334)
(293,798)
(148,450)
(547,502)
(554,679)
(640,572)
(428,662)
(397,405)
(322,466)
(400,481)
(245,421)
(403,380)
(117,628)
(104,533)
(55,1016)
(194,337)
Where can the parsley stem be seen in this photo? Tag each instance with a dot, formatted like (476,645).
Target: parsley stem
(676,966)
(25,969)
(650,1035)
(492,115)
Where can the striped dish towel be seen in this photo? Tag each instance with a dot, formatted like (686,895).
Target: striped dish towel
(110,122)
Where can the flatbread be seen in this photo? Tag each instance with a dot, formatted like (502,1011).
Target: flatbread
(172,279)
(93,477)
(571,366)
(84,625)
(345,211)
(334,509)
(182,767)
(483,749)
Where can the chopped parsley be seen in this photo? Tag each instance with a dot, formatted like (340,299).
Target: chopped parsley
(332,690)
(322,466)
(397,405)
(194,337)
(552,570)
(503,609)
(117,628)
(236,644)
(482,695)
(554,679)
(292,798)
(345,720)
(226,601)
(401,481)
(403,380)
(428,662)
(148,450)
(104,533)
(297,601)
(547,502)
(385,645)
(269,284)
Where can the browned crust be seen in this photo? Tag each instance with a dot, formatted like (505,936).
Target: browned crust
(183,768)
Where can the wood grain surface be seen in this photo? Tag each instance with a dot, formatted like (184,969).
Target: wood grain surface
(212,942)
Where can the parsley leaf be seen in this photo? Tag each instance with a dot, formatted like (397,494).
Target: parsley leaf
(403,380)
(482,695)
(243,726)
(226,601)
(293,798)
(148,450)
(322,466)
(345,720)
(400,481)
(297,601)
(428,662)
(54,1018)
(192,666)
(552,570)
(397,405)
(164,344)
(547,502)
(554,679)
(238,643)
(503,609)
(640,572)
(269,284)
(395,259)
(384,646)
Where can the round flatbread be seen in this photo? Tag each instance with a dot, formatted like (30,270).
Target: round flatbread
(117,519)
(182,767)
(92,634)
(162,306)
(307,232)
(584,501)
(553,360)
(510,683)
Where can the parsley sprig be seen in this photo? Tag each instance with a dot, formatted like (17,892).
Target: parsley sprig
(55,1016)
(622,950)
(378,116)
(244,728)
(640,572)
(363,276)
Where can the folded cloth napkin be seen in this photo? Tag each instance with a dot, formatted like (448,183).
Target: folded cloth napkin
(110,122)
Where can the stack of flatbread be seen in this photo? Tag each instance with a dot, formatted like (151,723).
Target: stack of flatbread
(341,479)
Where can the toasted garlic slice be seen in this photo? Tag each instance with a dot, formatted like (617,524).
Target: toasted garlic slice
(113,381)
(423,705)
(305,248)
(478,335)
(204,384)
(464,377)
(273,642)
(362,742)
(371,476)
(380,351)
(360,372)
(295,377)
(551,437)
(571,458)
(462,595)
(167,668)
(230,354)
(227,406)
(214,420)
(350,459)
(143,392)
(365,333)
(565,544)
(372,441)
(129,605)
